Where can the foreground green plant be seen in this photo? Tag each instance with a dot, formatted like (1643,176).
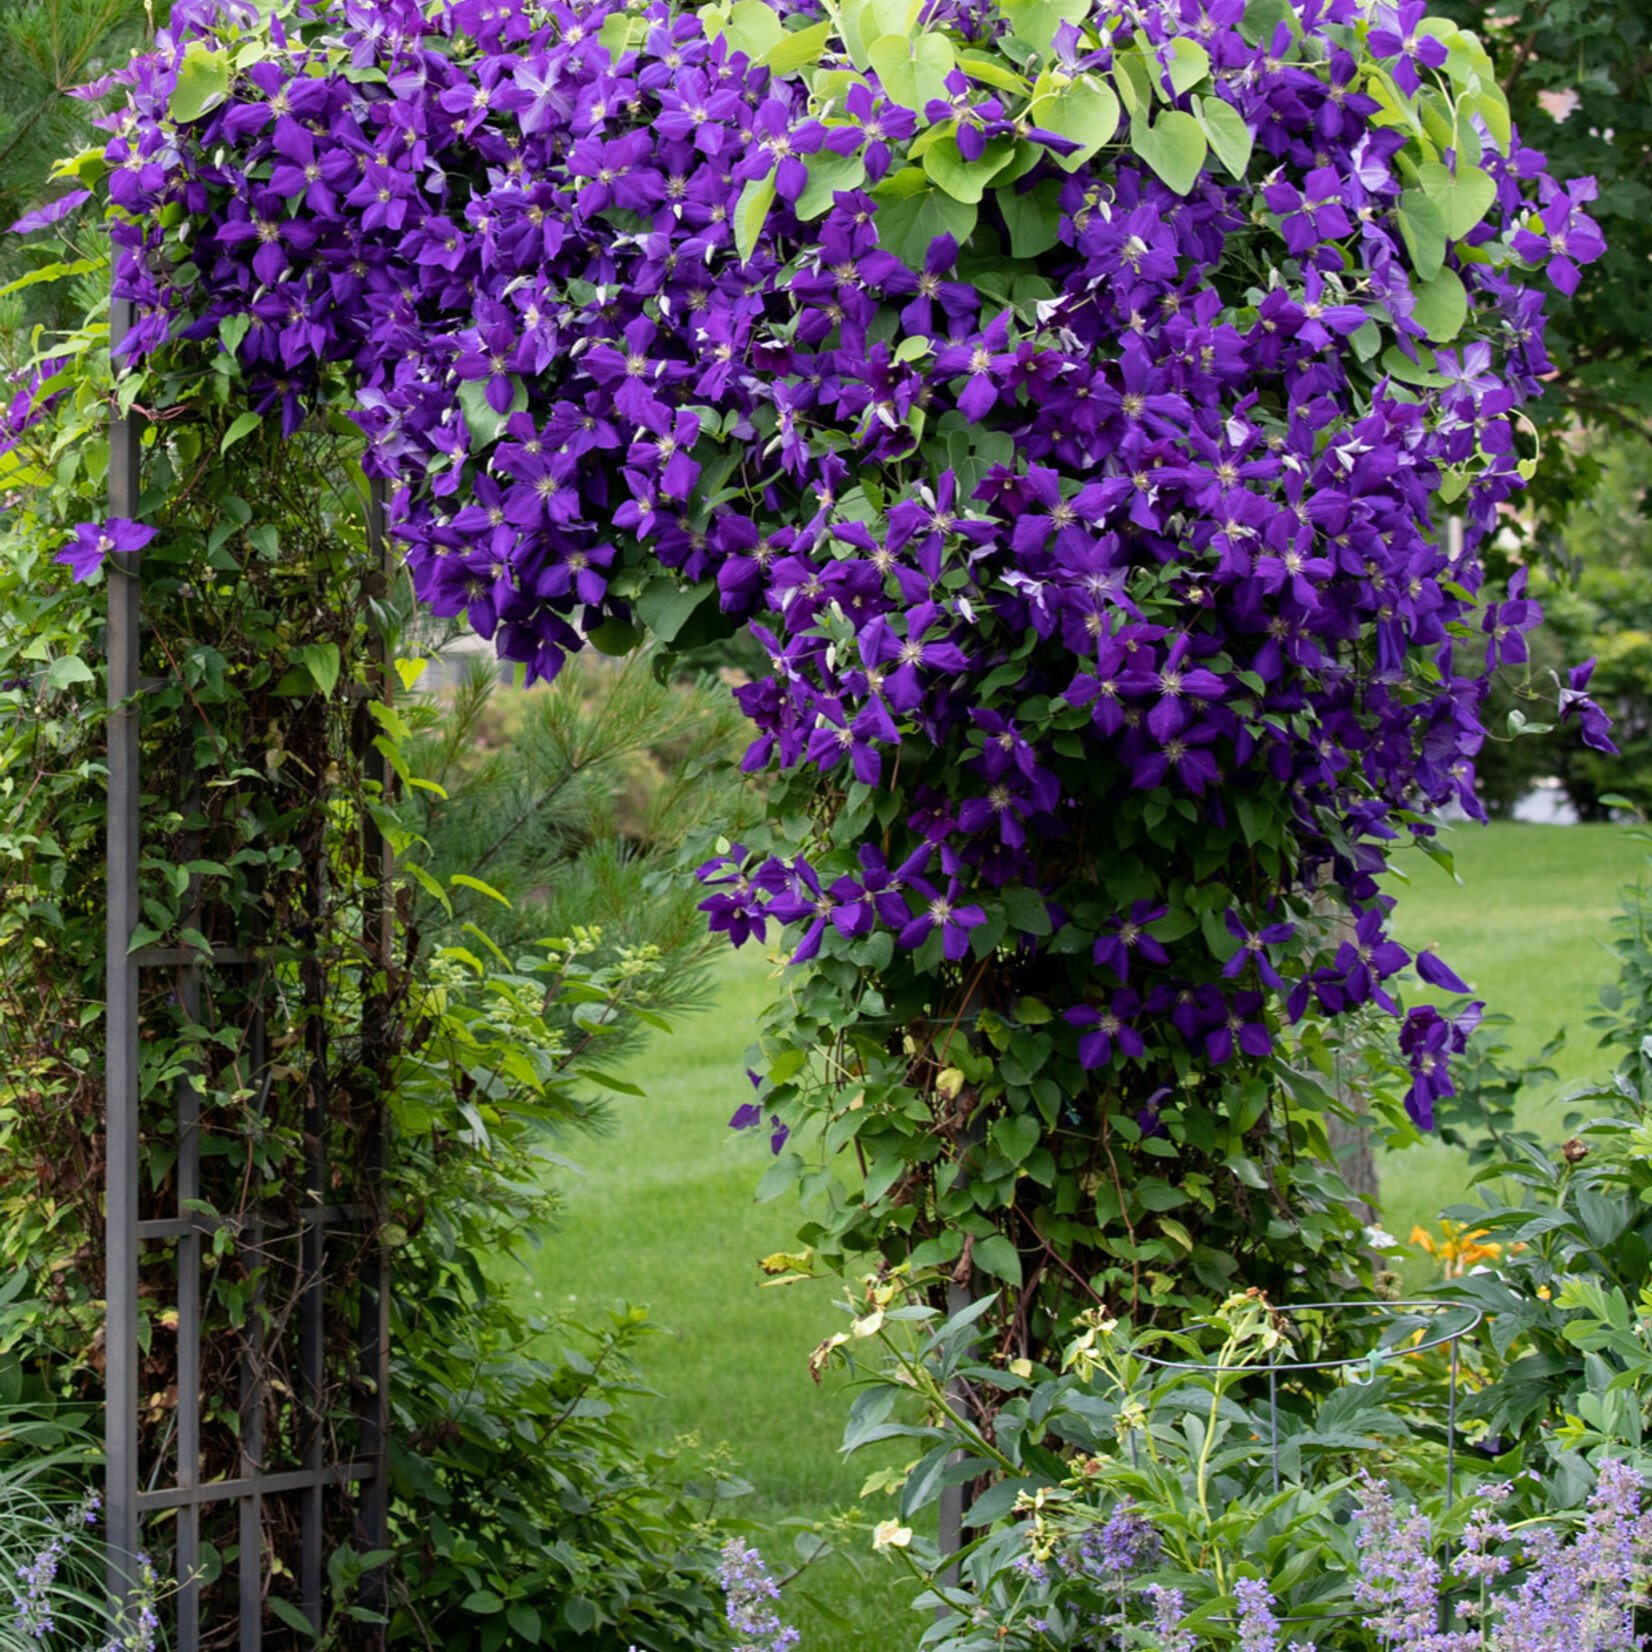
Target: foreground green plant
(1123,1502)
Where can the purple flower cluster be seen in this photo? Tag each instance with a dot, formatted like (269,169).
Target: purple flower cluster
(638,329)
(1576,1592)
(35,1585)
(1582,1592)
(31,401)
(1428,1040)
(31,1593)
(1399,1578)
(139,1626)
(751,1593)
(1258,1626)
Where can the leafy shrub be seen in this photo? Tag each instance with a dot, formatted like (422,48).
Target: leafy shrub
(524,1514)
(1140,1506)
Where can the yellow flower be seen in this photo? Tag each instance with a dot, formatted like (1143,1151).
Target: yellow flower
(891,1534)
(1459,1249)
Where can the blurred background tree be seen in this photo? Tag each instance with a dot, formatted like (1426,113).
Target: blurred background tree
(48,46)
(1595,584)
(1578,74)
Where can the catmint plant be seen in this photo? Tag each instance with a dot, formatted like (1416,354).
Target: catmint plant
(752,1594)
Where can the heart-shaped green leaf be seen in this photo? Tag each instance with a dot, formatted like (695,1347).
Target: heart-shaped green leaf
(1174,146)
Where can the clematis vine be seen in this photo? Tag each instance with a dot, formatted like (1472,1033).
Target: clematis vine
(1086,501)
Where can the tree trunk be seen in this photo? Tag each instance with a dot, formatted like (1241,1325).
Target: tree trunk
(1351,1143)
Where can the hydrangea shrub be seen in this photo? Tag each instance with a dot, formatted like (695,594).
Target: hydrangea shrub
(1070,397)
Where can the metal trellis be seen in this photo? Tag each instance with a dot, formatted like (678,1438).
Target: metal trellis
(138,1485)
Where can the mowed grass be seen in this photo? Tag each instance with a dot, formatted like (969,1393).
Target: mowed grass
(1527,926)
(665,1214)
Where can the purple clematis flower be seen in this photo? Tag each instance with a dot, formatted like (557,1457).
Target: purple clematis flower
(1398,38)
(1107,1030)
(1124,938)
(93,541)
(1575,702)
(942,910)
(1253,948)
(52,213)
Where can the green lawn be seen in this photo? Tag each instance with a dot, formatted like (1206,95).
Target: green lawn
(1526,927)
(665,1214)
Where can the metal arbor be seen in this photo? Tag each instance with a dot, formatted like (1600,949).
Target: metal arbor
(247,1330)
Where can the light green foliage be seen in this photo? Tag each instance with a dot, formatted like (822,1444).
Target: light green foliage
(48,1476)
(1574,73)
(1576,1235)
(525,1515)
(579,802)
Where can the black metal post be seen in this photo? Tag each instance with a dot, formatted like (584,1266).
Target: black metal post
(374,1343)
(121,1021)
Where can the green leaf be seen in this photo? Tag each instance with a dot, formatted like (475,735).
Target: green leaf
(67,670)
(787,1065)
(613,637)
(913,72)
(1016,1136)
(615,35)
(998,1499)
(1225,127)
(797,48)
(1397,364)
(1087,112)
(321,660)
(1026,909)
(1464,198)
(463,880)
(997,1256)
(1493,108)
(292,1617)
(1422,227)
(1174,146)
(608,1081)
(244,425)
(912,213)
(485,1601)
(751,212)
(664,606)
(427,882)
(203,83)
(1189,64)
(1134,81)
(828,173)
(754,28)
(1033,218)
(991,71)
(1442,306)
(53,272)
(966,180)
(17,472)
(525,1621)
(1035,21)
(483,422)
